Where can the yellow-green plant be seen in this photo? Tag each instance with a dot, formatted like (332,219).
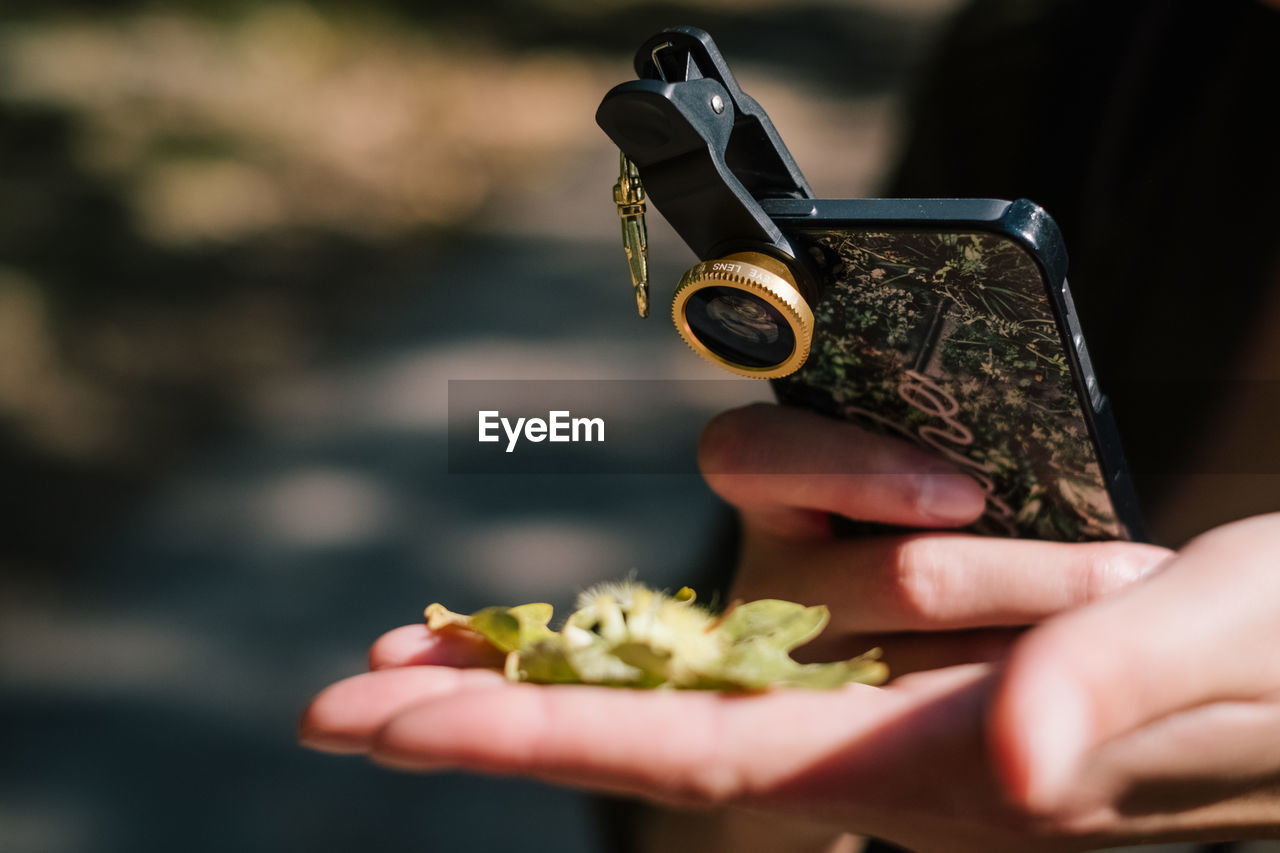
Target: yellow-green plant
(627,635)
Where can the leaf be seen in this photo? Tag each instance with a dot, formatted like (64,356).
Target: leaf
(757,664)
(543,663)
(506,628)
(754,664)
(538,613)
(498,626)
(627,635)
(653,662)
(441,618)
(864,669)
(513,628)
(784,623)
(596,664)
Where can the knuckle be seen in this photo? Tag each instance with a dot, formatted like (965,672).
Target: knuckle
(1112,566)
(707,774)
(709,767)
(910,490)
(709,785)
(918,578)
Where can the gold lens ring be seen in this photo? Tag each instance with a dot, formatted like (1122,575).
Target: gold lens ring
(763,277)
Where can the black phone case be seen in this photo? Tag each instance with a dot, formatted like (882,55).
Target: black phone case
(949,322)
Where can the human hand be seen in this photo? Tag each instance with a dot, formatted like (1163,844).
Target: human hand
(929,599)
(1065,744)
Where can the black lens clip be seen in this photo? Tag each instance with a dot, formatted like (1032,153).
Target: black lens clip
(705,150)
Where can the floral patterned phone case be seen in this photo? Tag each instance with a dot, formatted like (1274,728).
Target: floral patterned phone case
(949,322)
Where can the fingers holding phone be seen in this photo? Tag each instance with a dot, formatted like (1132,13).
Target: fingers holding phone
(788,469)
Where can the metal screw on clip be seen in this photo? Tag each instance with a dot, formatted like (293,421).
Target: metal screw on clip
(628,195)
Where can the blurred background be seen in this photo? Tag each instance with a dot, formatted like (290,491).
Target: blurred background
(243,248)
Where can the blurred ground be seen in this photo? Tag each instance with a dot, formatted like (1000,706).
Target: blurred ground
(243,248)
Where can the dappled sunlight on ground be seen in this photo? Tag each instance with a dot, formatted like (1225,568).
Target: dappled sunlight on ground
(290,118)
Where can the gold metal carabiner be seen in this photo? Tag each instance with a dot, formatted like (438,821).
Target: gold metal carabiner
(628,195)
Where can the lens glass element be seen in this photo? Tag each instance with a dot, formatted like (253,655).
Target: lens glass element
(740,327)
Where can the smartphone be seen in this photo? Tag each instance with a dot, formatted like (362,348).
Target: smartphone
(948,322)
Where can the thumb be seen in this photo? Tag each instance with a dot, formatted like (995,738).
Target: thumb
(1201,629)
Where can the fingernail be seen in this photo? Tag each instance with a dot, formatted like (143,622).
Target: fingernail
(413,764)
(951,498)
(321,742)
